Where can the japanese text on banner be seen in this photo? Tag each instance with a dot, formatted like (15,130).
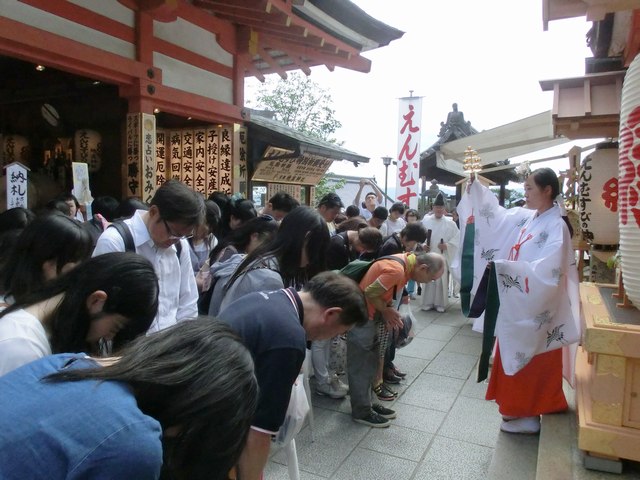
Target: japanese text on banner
(408,155)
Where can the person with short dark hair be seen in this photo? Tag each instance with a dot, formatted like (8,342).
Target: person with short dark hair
(128,207)
(49,246)
(329,206)
(353,223)
(236,212)
(395,222)
(60,206)
(411,215)
(371,199)
(407,240)
(175,404)
(280,205)
(378,217)
(352,244)
(74,206)
(352,211)
(104,211)
(160,235)
(110,299)
(204,240)
(276,326)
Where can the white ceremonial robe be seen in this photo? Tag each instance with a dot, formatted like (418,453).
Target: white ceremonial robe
(536,275)
(436,293)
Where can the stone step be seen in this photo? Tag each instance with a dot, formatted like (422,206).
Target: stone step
(514,457)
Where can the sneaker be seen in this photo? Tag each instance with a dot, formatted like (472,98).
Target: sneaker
(524,425)
(332,389)
(338,385)
(398,373)
(383,393)
(391,377)
(384,412)
(440,309)
(426,308)
(373,420)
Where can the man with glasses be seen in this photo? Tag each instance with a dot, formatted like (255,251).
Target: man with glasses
(159,234)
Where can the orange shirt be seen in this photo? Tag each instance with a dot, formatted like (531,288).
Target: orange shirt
(383,276)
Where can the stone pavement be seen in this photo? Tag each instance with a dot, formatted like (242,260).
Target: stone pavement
(444,430)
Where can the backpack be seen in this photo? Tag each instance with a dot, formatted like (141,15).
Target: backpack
(129,246)
(356,269)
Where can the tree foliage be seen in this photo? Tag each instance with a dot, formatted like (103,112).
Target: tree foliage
(300,103)
(324,186)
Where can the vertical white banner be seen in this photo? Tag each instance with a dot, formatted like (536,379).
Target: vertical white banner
(147,152)
(16,185)
(408,154)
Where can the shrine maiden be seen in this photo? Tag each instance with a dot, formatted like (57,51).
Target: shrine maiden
(537,284)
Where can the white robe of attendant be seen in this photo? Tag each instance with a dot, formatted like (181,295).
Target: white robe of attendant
(538,291)
(436,293)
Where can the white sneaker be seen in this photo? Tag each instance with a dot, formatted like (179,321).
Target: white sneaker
(426,308)
(334,389)
(524,425)
(440,309)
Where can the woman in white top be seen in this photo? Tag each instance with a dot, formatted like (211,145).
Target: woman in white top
(103,303)
(395,221)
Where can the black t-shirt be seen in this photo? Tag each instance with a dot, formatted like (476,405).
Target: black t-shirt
(339,252)
(271,328)
(391,246)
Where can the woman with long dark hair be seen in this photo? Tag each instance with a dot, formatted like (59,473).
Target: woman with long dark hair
(177,403)
(49,246)
(103,303)
(226,257)
(295,254)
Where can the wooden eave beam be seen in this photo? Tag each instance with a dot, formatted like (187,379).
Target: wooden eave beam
(240,14)
(352,62)
(266,57)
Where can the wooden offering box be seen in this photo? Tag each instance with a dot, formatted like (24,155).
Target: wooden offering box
(608,375)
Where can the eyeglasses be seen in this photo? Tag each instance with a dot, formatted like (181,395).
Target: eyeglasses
(172,235)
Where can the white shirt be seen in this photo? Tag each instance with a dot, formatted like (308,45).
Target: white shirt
(391,226)
(22,340)
(178,297)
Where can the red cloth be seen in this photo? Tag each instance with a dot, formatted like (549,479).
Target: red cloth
(534,390)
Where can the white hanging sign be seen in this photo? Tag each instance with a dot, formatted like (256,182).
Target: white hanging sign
(16,185)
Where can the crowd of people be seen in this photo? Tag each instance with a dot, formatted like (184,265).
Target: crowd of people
(177,329)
